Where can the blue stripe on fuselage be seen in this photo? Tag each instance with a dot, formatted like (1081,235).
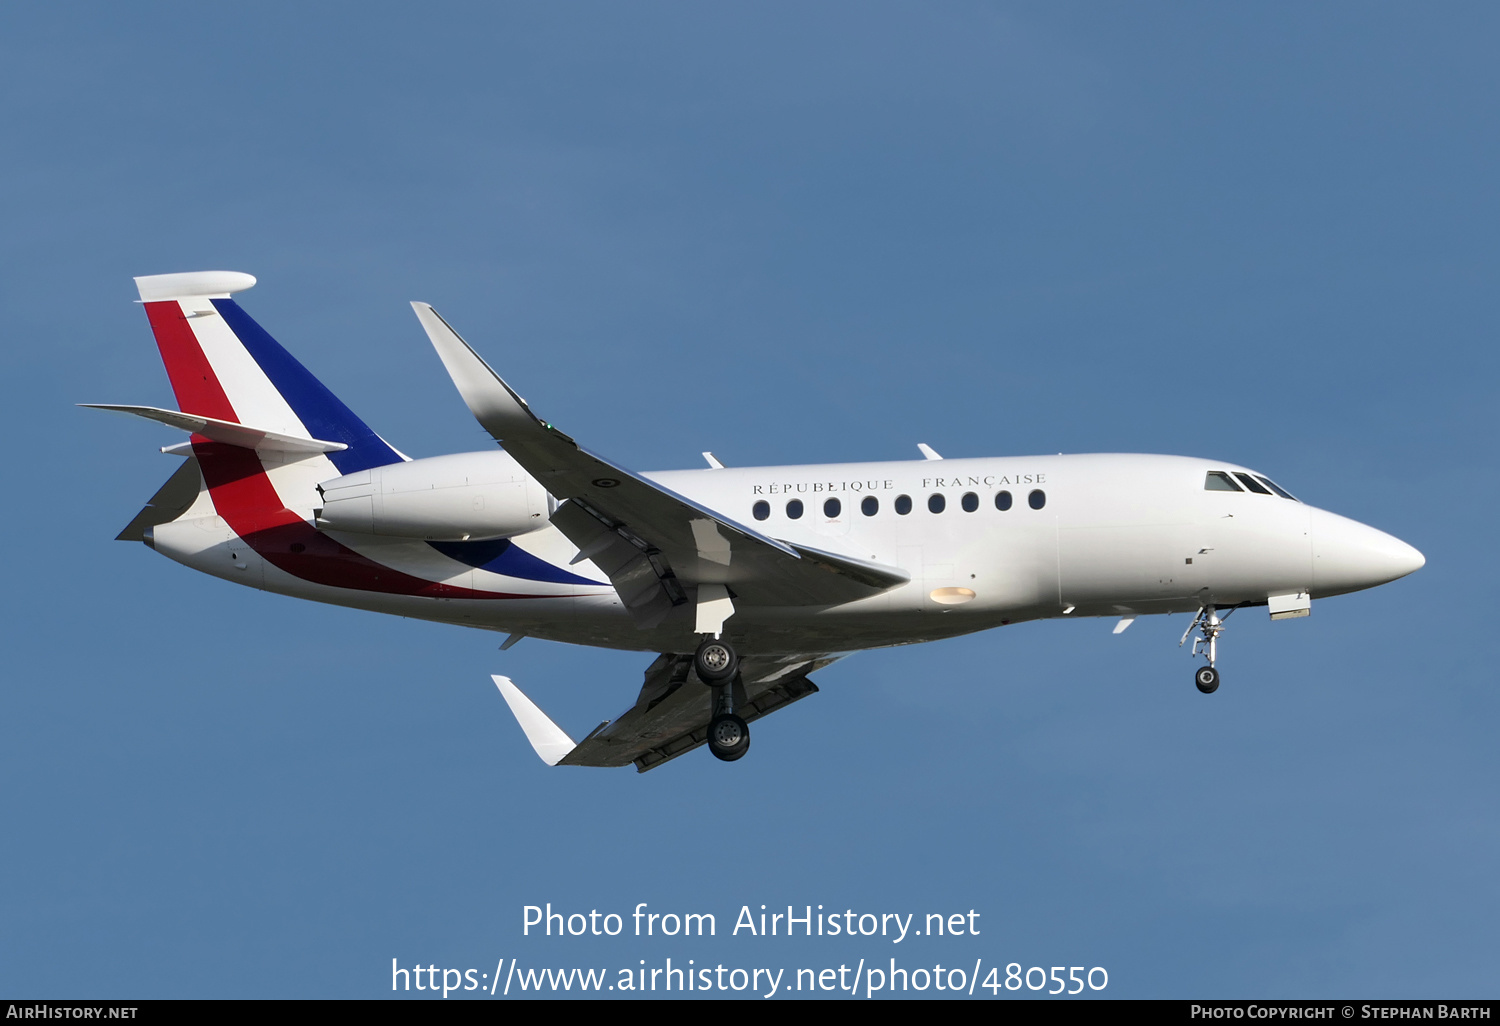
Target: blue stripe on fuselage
(501,557)
(320,411)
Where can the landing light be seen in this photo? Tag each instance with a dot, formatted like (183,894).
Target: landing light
(951,596)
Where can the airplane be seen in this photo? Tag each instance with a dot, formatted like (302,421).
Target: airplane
(743,580)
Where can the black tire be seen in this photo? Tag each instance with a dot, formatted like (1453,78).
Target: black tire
(1207,679)
(715,662)
(728,737)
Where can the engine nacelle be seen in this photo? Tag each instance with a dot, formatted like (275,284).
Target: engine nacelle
(471,496)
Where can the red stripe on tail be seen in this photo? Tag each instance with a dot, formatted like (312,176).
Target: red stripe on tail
(193,379)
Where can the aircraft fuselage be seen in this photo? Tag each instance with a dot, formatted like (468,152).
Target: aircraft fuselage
(987,542)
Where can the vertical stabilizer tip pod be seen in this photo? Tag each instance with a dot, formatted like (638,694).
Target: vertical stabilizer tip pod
(157,288)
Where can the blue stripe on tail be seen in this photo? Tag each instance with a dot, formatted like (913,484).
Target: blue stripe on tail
(323,414)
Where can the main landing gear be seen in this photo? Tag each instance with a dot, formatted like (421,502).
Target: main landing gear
(717,665)
(1209,626)
(715,661)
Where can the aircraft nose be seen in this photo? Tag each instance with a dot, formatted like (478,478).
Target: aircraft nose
(1348,555)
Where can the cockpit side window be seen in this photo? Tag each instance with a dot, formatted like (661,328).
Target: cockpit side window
(1218,481)
(1252,484)
(1276,488)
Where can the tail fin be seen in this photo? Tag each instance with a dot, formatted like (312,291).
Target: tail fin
(224,366)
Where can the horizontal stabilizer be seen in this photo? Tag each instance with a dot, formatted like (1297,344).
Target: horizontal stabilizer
(549,740)
(225,431)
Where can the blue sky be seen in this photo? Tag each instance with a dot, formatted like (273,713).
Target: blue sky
(787,233)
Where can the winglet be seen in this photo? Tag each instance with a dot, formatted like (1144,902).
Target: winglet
(494,404)
(549,740)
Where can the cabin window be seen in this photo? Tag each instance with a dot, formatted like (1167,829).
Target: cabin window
(761,510)
(970,502)
(1252,484)
(1275,487)
(1003,501)
(1218,481)
(936,503)
(1037,499)
(832,508)
(794,509)
(903,505)
(870,506)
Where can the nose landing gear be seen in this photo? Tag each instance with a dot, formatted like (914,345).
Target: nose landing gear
(1209,626)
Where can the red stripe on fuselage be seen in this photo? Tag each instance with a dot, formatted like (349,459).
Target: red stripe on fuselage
(193,379)
(244,497)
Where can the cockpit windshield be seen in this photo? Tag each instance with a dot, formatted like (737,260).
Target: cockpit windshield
(1225,481)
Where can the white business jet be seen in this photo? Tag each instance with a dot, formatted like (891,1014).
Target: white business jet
(745,580)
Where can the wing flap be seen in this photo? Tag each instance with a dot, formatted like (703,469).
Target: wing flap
(767,701)
(647,586)
(670,716)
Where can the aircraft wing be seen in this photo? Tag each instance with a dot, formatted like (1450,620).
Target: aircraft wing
(655,545)
(670,716)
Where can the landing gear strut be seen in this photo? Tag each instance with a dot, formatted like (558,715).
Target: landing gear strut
(718,666)
(1209,626)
